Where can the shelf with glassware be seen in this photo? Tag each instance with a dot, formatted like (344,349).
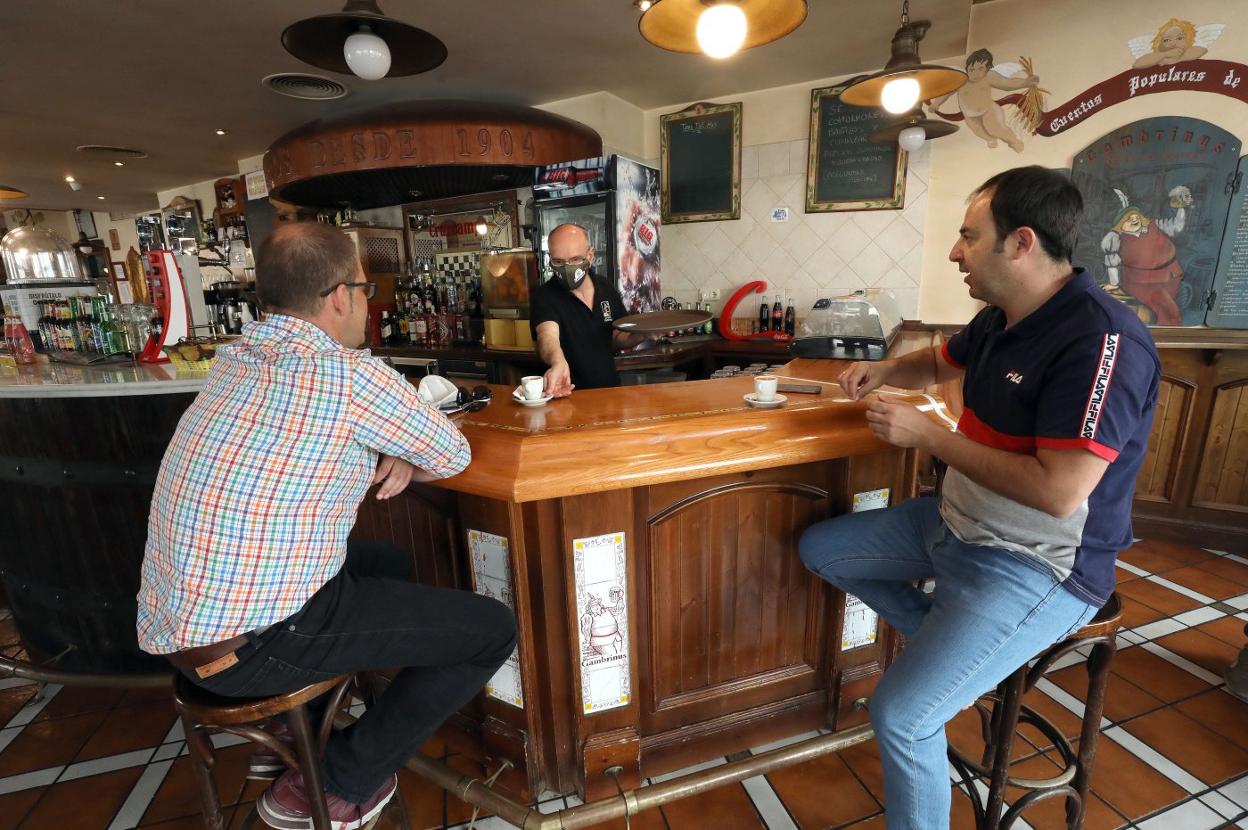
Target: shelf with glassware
(433,310)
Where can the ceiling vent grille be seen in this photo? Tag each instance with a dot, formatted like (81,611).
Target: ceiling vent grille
(304,87)
(112,152)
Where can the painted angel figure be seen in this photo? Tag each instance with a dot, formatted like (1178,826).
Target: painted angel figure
(1140,257)
(1176,41)
(984,115)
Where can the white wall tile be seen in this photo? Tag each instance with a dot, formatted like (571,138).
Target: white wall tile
(773,159)
(871,263)
(749,163)
(798,154)
(898,238)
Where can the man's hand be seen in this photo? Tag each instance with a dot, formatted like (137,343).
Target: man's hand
(394,474)
(899,424)
(862,377)
(558,380)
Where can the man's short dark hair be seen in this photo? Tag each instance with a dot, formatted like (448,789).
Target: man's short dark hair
(1038,198)
(979,56)
(298,262)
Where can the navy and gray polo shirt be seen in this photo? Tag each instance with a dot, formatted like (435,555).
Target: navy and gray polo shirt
(1080,372)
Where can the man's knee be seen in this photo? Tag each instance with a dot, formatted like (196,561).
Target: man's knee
(891,717)
(499,623)
(819,548)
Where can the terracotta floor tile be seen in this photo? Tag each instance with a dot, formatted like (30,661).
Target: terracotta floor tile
(48,743)
(1220,711)
(873,823)
(1202,752)
(78,700)
(1057,714)
(82,803)
(822,793)
(1051,812)
(129,728)
(1129,785)
(962,815)
(8,632)
(1158,596)
(1207,652)
(728,807)
(965,732)
(184,823)
(1136,613)
(15,806)
(1146,559)
(12,701)
(1209,584)
(1155,675)
(864,760)
(1123,699)
(1184,554)
(1228,568)
(179,796)
(147,693)
(1227,629)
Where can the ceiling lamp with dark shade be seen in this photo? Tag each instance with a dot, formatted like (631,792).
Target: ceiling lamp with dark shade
(905,80)
(718,28)
(361,40)
(8,191)
(911,131)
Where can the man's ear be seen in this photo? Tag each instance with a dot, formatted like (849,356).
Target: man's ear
(337,299)
(1026,241)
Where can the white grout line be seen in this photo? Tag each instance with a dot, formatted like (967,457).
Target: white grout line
(1236,791)
(174,733)
(1240,602)
(768,804)
(1066,699)
(1073,658)
(1218,552)
(27,780)
(668,776)
(1160,628)
(14,682)
(792,739)
(1132,637)
(1183,663)
(1132,569)
(1199,616)
(166,751)
(141,795)
(1190,815)
(7,736)
(28,712)
(1181,589)
(1155,760)
(1236,558)
(1228,808)
(110,763)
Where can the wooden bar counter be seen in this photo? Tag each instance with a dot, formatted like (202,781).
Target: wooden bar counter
(702,634)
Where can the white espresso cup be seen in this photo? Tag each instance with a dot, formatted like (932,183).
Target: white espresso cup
(765,387)
(533,386)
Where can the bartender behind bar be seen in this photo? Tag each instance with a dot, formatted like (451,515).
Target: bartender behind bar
(572,318)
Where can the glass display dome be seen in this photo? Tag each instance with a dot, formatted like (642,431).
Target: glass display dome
(34,254)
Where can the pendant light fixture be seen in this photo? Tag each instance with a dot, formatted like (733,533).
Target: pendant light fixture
(718,28)
(8,191)
(905,80)
(911,131)
(361,40)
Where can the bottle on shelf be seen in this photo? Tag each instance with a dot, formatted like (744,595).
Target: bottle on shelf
(19,341)
(764,315)
(387,328)
(777,315)
(790,319)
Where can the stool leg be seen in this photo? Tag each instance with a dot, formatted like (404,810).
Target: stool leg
(310,761)
(201,756)
(1098,679)
(1009,707)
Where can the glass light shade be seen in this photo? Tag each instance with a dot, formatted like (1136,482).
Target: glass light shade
(900,95)
(911,138)
(367,55)
(37,254)
(483,227)
(721,30)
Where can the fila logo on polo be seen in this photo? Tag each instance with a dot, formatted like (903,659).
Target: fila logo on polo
(1100,385)
(1013,377)
(606,311)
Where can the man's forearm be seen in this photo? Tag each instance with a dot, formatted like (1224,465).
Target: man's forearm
(1018,476)
(549,351)
(915,370)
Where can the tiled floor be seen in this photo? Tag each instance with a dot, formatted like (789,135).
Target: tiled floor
(1173,756)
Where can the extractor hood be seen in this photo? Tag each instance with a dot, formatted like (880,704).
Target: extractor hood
(418,150)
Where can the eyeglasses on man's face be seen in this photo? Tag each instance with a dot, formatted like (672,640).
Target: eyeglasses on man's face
(576,261)
(370,288)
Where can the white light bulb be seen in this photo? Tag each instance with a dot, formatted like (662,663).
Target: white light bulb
(911,138)
(482,227)
(900,95)
(367,55)
(722,29)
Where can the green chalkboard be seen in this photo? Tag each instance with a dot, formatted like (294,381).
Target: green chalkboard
(701,163)
(845,170)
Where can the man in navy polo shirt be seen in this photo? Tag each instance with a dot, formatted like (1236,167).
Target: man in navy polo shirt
(1060,383)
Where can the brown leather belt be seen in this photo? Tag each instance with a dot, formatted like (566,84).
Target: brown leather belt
(208,660)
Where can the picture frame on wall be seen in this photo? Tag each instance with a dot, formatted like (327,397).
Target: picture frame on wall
(845,170)
(701,163)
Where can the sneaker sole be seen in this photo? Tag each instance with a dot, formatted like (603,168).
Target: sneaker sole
(354,824)
(265,772)
(276,817)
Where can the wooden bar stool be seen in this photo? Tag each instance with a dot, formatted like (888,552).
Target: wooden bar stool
(203,712)
(1000,723)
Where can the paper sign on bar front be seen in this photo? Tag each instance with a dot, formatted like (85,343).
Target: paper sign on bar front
(602,621)
(491,577)
(861,623)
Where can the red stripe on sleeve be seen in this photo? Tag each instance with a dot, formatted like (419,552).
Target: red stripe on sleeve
(1094,447)
(944,352)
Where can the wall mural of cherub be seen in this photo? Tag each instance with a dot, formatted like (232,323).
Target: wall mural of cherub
(1176,41)
(984,114)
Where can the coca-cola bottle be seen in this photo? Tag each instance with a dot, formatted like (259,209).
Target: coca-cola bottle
(790,319)
(764,315)
(777,315)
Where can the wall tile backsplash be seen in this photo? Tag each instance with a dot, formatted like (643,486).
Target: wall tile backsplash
(811,255)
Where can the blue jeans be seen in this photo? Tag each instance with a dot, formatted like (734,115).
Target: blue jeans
(992,611)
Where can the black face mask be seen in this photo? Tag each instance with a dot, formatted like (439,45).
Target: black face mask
(571,275)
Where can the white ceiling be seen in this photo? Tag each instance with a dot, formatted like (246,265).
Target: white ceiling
(162,75)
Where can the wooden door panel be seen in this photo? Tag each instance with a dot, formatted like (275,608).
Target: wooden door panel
(1222,478)
(1159,473)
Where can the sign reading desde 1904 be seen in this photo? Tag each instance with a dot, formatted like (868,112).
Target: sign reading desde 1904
(845,169)
(701,164)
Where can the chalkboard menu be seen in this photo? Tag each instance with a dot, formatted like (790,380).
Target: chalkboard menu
(701,164)
(1230,306)
(845,169)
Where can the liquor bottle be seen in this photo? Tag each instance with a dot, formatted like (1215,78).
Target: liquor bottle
(790,319)
(20,344)
(777,315)
(709,326)
(418,330)
(403,335)
(764,315)
(387,328)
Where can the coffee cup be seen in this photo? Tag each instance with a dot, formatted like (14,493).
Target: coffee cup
(533,386)
(765,387)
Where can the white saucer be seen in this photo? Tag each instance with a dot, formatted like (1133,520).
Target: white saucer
(775,402)
(544,399)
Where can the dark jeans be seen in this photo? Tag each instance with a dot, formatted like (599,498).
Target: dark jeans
(448,644)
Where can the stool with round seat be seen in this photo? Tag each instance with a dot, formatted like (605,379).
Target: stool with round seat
(203,712)
(1000,722)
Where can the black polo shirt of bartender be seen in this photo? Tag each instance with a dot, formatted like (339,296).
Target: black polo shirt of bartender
(584,332)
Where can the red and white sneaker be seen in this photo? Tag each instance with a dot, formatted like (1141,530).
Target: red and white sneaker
(284,805)
(265,764)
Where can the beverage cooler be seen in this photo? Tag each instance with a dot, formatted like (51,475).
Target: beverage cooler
(617,201)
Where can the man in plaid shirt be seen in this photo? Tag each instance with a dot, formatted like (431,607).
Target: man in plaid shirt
(249,585)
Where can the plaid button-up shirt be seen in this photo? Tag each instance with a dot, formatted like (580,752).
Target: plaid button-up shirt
(259,487)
